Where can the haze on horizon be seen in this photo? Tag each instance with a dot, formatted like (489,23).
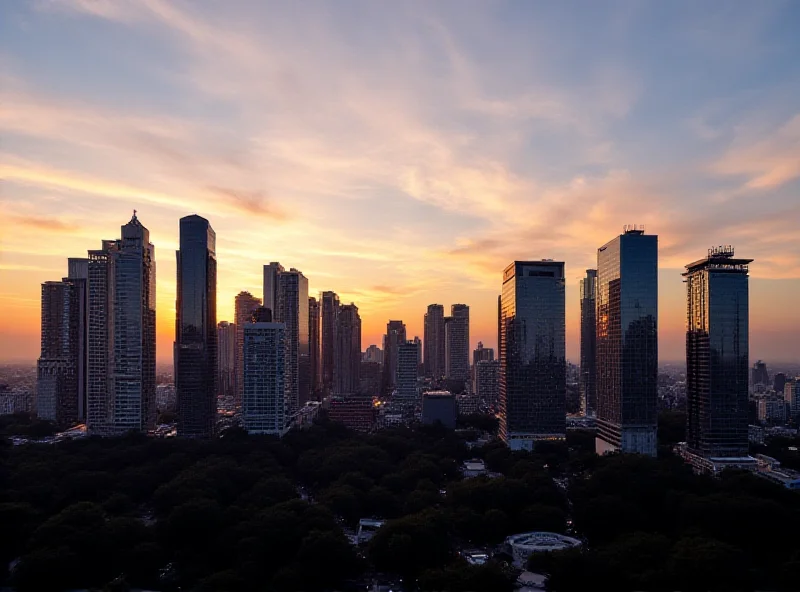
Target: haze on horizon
(402,153)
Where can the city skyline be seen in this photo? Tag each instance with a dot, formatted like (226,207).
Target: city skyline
(402,160)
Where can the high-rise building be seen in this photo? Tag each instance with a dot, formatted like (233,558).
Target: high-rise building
(533,365)
(243,306)
(265,409)
(226,359)
(57,394)
(779,382)
(395,336)
(456,329)
(717,354)
(314,344)
(292,311)
(588,378)
(271,273)
(347,371)
(374,354)
(481,353)
(406,380)
(329,305)
(487,381)
(78,275)
(627,343)
(433,342)
(759,374)
(196,329)
(121,342)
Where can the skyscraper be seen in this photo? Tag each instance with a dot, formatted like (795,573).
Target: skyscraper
(433,344)
(588,384)
(329,308)
(759,374)
(314,344)
(121,342)
(481,353)
(57,394)
(292,311)
(395,336)
(226,359)
(420,367)
(271,273)
(717,354)
(532,401)
(347,371)
(244,305)
(196,329)
(456,328)
(374,354)
(265,409)
(627,343)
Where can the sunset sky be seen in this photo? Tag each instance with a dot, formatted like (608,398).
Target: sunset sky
(403,153)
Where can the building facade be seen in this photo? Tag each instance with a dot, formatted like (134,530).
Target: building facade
(329,308)
(433,342)
(271,272)
(456,329)
(196,329)
(347,371)
(395,336)
(243,307)
(406,380)
(439,406)
(292,311)
(265,409)
(314,345)
(481,354)
(627,343)
(121,340)
(57,393)
(487,381)
(532,398)
(588,379)
(717,354)
(226,359)
(373,354)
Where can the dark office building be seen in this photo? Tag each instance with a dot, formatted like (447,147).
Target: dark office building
(433,342)
(779,382)
(196,329)
(532,401)
(627,343)
(588,383)
(329,314)
(347,374)
(717,354)
(759,373)
(395,336)
(439,406)
(315,361)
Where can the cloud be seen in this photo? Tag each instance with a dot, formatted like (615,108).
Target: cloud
(766,162)
(45,224)
(251,202)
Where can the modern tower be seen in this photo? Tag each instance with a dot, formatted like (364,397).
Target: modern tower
(78,275)
(347,372)
(588,382)
(481,353)
(433,342)
(418,342)
(196,329)
(395,336)
(244,305)
(314,344)
(717,354)
(533,365)
(759,373)
(487,381)
(292,311)
(456,329)
(627,343)
(121,342)
(265,409)
(329,309)
(406,378)
(271,273)
(226,359)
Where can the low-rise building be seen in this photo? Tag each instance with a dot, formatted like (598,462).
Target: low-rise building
(439,406)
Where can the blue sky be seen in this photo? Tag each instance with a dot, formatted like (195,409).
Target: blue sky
(402,153)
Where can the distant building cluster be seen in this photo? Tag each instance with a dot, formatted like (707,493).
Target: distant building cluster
(286,355)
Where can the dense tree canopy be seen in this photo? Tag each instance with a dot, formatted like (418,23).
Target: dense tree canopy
(257,513)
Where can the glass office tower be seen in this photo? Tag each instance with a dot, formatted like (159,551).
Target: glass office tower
(588,290)
(627,343)
(196,329)
(532,401)
(717,354)
(292,311)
